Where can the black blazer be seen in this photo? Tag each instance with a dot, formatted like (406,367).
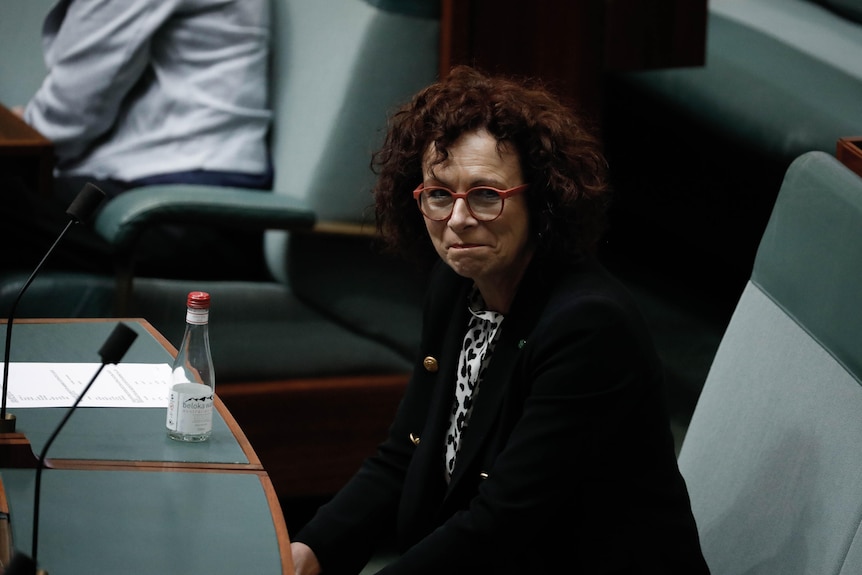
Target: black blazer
(567,465)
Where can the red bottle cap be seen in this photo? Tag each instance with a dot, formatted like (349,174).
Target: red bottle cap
(198,300)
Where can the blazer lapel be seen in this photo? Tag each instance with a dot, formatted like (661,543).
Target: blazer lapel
(496,381)
(498,377)
(424,485)
(434,436)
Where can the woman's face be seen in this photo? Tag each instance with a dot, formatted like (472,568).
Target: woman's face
(493,254)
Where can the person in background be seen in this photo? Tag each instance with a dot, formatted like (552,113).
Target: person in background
(533,435)
(140,93)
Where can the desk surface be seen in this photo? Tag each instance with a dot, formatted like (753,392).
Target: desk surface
(120,495)
(115,435)
(113,521)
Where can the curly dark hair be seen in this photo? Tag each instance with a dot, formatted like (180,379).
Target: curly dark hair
(560,157)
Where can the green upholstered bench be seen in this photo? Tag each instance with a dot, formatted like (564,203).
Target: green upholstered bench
(698,154)
(313,359)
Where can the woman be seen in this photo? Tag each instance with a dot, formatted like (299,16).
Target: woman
(532,437)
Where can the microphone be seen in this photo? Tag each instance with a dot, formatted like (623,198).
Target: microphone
(112,351)
(80,210)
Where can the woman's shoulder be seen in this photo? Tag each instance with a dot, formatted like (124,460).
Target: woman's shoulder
(579,283)
(549,289)
(582,295)
(586,302)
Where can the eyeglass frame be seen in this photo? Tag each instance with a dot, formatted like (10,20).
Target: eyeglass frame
(504,194)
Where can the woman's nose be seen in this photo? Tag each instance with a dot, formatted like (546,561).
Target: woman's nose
(461,215)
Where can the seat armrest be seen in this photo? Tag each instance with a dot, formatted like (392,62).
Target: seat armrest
(126,216)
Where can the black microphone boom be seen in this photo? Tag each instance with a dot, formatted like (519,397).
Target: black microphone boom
(80,210)
(112,351)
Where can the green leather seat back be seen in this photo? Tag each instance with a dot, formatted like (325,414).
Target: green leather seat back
(771,456)
(782,76)
(340,67)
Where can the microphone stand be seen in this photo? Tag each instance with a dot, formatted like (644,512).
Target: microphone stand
(81,208)
(112,351)
(7,421)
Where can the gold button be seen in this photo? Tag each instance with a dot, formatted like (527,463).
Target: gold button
(415,439)
(430,364)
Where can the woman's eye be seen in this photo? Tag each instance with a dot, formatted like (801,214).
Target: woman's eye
(485,194)
(437,193)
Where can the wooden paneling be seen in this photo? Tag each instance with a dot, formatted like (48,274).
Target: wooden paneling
(312,435)
(569,45)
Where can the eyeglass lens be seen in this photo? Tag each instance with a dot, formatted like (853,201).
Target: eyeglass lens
(484,203)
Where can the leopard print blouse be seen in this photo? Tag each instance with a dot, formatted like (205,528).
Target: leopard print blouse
(476,351)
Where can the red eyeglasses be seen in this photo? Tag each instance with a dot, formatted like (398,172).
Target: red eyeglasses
(484,202)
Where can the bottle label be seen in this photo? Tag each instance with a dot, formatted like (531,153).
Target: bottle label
(190,409)
(197,316)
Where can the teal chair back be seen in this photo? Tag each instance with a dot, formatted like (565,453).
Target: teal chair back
(339,68)
(771,456)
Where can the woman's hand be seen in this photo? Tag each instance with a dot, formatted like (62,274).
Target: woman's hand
(304,560)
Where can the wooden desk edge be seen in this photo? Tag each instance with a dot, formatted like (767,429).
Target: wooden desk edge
(7,546)
(281,534)
(254,466)
(23,133)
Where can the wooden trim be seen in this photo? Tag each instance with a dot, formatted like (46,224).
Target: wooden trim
(342,229)
(118,465)
(7,545)
(849,152)
(238,433)
(17,135)
(281,533)
(455,26)
(16,451)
